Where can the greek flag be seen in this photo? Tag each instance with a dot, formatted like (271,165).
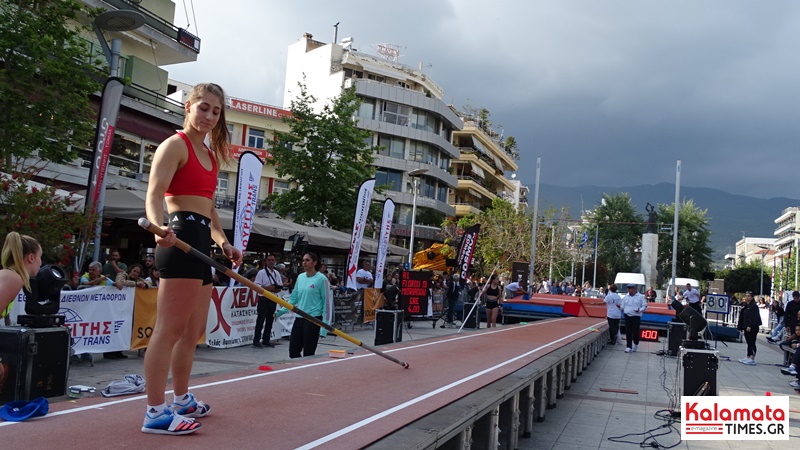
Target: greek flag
(584,240)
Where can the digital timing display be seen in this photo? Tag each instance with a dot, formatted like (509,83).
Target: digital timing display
(649,335)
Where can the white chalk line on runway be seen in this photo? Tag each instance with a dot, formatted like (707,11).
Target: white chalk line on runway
(104,405)
(368,420)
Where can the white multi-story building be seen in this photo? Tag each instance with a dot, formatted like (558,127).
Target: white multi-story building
(786,231)
(750,249)
(403,108)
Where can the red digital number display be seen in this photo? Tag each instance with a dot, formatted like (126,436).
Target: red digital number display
(649,335)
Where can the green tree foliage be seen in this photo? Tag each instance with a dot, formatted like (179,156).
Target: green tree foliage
(327,158)
(694,254)
(744,278)
(511,147)
(620,232)
(42,214)
(45,81)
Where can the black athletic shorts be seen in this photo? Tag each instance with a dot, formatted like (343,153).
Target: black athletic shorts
(195,230)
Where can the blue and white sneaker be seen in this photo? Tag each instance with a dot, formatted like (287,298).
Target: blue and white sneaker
(168,423)
(749,362)
(190,407)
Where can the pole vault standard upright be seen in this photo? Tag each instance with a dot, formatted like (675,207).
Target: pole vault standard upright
(144,223)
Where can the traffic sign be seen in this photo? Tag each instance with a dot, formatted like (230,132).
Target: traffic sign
(716,303)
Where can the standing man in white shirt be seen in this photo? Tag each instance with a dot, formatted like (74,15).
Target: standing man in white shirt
(270,279)
(364,277)
(692,295)
(613,313)
(633,306)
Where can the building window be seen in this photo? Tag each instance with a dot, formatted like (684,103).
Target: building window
(396,113)
(125,154)
(149,153)
(378,78)
(391,178)
(255,138)
(392,146)
(222,183)
(366,110)
(425,121)
(279,187)
(423,152)
(441,194)
(230,133)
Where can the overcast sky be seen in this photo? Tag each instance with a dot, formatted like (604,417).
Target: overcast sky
(608,93)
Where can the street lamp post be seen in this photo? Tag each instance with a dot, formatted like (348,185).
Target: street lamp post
(114,20)
(414,174)
(761,280)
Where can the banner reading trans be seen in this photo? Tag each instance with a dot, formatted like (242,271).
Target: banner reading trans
(246,200)
(464,258)
(383,241)
(360,220)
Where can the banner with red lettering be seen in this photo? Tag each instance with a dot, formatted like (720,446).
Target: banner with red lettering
(248,184)
(231,317)
(359,222)
(383,241)
(466,249)
(100,319)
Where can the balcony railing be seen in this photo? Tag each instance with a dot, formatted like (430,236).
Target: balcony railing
(155,22)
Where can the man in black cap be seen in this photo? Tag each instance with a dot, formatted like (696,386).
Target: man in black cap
(633,306)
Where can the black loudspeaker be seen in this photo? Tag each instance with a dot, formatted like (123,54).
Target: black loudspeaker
(471,320)
(35,362)
(695,322)
(700,372)
(388,327)
(676,333)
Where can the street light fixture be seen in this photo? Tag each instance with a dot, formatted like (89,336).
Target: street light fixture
(414,174)
(114,20)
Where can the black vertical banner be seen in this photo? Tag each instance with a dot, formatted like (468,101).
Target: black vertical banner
(414,292)
(465,250)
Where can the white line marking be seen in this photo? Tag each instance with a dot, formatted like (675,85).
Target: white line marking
(288,369)
(357,425)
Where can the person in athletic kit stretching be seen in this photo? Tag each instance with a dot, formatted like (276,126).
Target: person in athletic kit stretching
(184,175)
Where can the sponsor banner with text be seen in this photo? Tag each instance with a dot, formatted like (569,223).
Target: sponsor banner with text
(231,317)
(99,318)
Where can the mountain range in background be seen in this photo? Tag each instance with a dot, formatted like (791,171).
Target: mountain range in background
(730,216)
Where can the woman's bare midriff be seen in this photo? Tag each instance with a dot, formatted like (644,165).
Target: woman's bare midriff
(193,203)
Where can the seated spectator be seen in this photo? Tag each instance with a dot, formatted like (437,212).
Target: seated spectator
(792,340)
(114,266)
(155,277)
(131,278)
(777,333)
(149,263)
(94,277)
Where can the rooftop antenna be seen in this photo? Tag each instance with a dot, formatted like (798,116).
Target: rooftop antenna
(335,32)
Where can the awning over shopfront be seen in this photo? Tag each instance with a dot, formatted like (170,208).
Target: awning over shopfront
(127,204)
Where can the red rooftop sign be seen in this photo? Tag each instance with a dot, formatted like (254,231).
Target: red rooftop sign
(258,109)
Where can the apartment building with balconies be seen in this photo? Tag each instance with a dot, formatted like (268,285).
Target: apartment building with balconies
(787,227)
(481,170)
(147,115)
(412,128)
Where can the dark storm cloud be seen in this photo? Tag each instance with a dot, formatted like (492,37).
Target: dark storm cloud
(606,92)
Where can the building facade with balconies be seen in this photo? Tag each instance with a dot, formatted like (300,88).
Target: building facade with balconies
(481,170)
(147,115)
(787,227)
(411,126)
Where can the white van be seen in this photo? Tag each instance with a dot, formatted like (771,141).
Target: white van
(623,279)
(681,283)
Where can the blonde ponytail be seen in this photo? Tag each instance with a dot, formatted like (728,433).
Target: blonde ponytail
(15,249)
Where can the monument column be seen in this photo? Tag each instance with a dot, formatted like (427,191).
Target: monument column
(650,248)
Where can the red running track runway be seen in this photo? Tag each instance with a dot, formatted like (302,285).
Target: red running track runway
(314,402)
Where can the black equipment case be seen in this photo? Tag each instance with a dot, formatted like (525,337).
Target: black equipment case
(35,362)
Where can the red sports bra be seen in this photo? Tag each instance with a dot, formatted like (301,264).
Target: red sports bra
(193,178)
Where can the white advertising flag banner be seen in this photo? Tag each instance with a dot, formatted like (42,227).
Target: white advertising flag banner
(359,222)
(383,242)
(246,200)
